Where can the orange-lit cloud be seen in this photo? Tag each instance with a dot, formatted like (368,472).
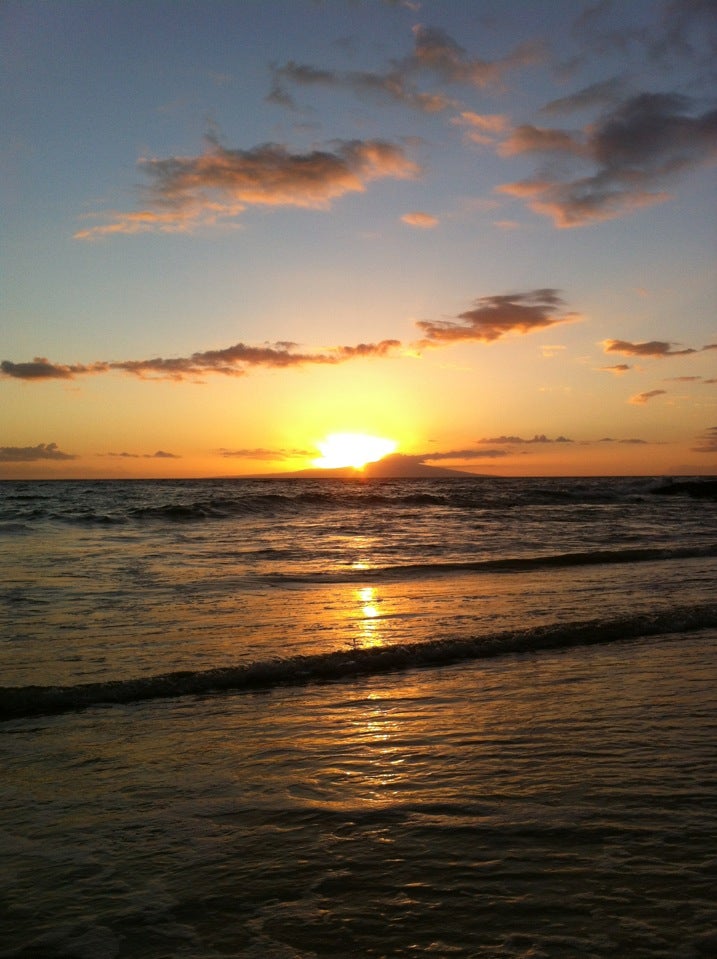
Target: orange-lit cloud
(633,151)
(618,369)
(30,454)
(481,128)
(220,183)
(641,398)
(496,316)
(424,221)
(232,361)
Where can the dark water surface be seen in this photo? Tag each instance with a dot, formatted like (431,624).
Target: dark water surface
(550,790)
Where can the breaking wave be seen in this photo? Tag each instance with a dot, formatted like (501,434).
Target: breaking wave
(27,701)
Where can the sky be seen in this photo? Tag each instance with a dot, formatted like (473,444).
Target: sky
(484,230)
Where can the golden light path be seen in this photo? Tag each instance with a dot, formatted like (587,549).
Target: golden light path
(352,449)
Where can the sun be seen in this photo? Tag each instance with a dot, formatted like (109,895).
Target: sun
(352,449)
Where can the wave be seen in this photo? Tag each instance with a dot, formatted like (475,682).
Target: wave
(182,502)
(516,564)
(28,701)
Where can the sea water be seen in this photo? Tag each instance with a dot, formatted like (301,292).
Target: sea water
(469,717)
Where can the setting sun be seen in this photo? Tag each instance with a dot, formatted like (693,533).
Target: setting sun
(352,449)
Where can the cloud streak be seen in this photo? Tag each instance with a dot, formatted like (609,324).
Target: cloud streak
(641,398)
(658,349)
(233,361)
(494,317)
(708,441)
(184,192)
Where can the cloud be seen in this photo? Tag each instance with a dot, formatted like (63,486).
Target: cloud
(481,128)
(42,369)
(601,94)
(264,454)
(609,439)
(708,441)
(654,348)
(424,221)
(518,440)
(394,84)
(641,398)
(436,51)
(29,454)
(184,192)
(467,454)
(634,150)
(493,317)
(233,361)
(159,455)
(618,369)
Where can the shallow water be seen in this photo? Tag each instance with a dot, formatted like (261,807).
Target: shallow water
(560,805)
(549,792)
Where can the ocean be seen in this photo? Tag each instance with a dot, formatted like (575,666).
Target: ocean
(469,717)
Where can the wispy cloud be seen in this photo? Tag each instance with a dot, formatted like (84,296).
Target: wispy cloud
(393,84)
(159,455)
(233,361)
(641,398)
(634,152)
(493,317)
(601,94)
(519,441)
(434,53)
(618,369)
(435,50)
(260,453)
(30,454)
(421,220)
(708,441)
(185,192)
(481,128)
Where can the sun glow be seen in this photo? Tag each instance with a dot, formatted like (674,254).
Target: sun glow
(352,449)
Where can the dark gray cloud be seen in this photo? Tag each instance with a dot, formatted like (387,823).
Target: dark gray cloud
(493,317)
(30,454)
(634,152)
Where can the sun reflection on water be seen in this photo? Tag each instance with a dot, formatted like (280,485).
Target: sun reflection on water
(369,626)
